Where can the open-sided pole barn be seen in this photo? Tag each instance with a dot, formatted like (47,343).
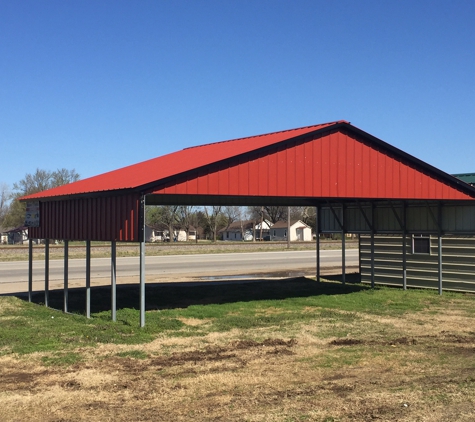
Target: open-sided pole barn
(357,182)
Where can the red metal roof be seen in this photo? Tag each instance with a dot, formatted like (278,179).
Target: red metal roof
(330,160)
(165,166)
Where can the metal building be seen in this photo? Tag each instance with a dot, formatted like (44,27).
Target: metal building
(358,183)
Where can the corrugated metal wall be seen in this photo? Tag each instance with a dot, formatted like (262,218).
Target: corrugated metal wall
(458,262)
(420,217)
(101,218)
(335,165)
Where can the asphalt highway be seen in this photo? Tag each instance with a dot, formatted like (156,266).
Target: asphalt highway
(14,275)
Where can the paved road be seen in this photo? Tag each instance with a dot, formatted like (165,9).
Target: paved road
(14,275)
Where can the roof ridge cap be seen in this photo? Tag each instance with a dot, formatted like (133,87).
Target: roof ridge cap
(267,134)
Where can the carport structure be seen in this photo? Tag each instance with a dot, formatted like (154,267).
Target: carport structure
(358,184)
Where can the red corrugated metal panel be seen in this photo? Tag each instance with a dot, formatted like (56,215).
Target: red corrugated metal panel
(172,164)
(104,219)
(338,165)
(333,160)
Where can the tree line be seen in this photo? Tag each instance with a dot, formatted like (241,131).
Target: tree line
(209,220)
(12,211)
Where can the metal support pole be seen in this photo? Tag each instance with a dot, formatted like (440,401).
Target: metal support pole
(439,224)
(372,259)
(343,246)
(66,275)
(142,284)
(372,244)
(317,239)
(439,238)
(404,261)
(142,263)
(288,227)
(404,247)
(46,272)
(88,279)
(113,281)
(30,269)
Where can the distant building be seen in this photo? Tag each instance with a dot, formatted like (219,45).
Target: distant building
(299,231)
(466,177)
(245,230)
(15,236)
(162,234)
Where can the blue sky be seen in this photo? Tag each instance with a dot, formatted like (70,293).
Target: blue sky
(96,85)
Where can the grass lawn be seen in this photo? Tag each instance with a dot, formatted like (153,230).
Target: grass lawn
(285,350)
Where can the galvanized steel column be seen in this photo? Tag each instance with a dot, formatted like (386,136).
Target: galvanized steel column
(66,275)
(439,238)
(317,239)
(88,279)
(372,244)
(404,246)
(113,281)
(343,246)
(439,247)
(30,269)
(46,272)
(142,261)
(288,227)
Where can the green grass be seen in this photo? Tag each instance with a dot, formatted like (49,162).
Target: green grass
(29,327)
(61,359)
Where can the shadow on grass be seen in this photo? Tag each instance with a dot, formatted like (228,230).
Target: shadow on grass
(183,294)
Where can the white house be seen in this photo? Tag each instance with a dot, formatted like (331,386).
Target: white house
(244,230)
(299,231)
(3,237)
(16,235)
(161,234)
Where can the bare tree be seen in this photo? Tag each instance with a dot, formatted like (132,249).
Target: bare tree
(184,218)
(275,213)
(63,177)
(4,201)
(212,215)
(165,215)
(309,216)
(232,213)
(41,180)
(35,182)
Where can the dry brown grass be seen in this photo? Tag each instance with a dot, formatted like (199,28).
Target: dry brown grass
(423,370)
(75,251)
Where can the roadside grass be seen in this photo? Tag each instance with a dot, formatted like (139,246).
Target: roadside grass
(103,250)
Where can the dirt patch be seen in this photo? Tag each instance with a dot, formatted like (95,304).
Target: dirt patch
(266,380)
(404,368)
(355,342)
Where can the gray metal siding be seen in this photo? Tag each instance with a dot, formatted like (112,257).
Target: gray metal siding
(388,218)
(458,262)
